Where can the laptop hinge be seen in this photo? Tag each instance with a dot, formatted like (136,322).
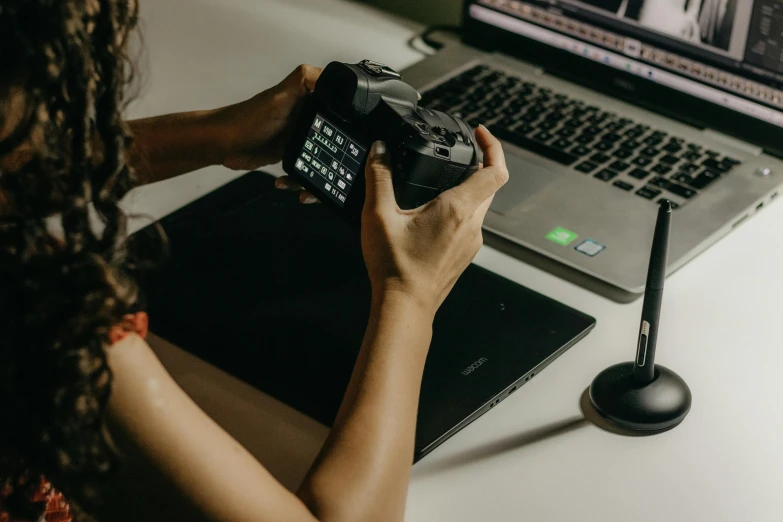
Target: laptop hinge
(733,142)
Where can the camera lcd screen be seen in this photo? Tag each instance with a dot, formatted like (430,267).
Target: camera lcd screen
(330,159)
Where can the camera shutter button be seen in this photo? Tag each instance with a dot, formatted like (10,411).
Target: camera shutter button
(440,131)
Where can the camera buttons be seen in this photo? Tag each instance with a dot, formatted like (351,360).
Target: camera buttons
(465,138)
(423,129)
(379,69)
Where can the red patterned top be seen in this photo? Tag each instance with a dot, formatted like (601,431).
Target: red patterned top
(57,508)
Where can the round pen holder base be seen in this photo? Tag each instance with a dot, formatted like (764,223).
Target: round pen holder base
(658,406)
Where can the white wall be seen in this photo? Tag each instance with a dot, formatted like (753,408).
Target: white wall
(425,11)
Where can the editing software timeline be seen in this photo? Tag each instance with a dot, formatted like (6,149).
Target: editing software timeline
(765,41)
(704,47)
(331,159)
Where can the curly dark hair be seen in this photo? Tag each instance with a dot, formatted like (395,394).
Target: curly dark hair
(66,268)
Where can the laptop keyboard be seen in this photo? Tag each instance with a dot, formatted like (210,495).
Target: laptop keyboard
(633,157)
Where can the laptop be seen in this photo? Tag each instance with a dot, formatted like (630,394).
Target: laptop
(276,294)
(605,107)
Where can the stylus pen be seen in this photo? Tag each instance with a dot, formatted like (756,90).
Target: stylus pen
(644,366)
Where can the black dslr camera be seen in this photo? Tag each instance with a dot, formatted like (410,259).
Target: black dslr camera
(354,105)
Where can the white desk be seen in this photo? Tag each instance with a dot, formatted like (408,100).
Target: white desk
(721,322)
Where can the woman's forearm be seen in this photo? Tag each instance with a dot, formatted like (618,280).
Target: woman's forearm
(170,145)
(363,470)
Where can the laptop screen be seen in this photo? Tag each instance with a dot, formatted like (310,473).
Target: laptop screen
(728,52)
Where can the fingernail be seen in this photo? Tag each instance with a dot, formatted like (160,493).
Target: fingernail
(378,148)
(308,199)
(483,127)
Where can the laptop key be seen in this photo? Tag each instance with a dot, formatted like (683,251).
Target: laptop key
(611,137)
(581,150)
(682,177)
(622,153)
(712,153)
(652,141)
(600,158)
(690,168)
(586,167)
(631,144)
(681,191)
(603,146)
(731,161)
(642,161)
(672,147)
(638,173)
(648,193)
(650,151)
(566,132)
(547,125)
(523,142)
(692,156)
(585,139)
(633,133)
(660,182)
(704,179)
(543,136)
(717,166)
(555,116)
(561,144)
(606,175)
(623,185)
(661,169)
(619,166)
(489,114)
(674,188)
(669,159)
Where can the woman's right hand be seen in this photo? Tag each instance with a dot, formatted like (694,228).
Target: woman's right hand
(421,253)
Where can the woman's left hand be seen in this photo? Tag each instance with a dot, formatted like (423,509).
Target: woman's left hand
(259,128)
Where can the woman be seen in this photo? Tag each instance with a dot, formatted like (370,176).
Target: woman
(675,17)
(72,355)
(696,21)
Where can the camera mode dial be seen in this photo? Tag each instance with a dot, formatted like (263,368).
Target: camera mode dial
(379,69)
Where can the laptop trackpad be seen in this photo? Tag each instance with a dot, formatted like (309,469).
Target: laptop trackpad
(525,179)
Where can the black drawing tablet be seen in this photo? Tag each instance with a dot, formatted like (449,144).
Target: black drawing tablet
(276,294)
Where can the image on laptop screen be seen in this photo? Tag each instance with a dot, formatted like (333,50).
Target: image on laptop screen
(728,52)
